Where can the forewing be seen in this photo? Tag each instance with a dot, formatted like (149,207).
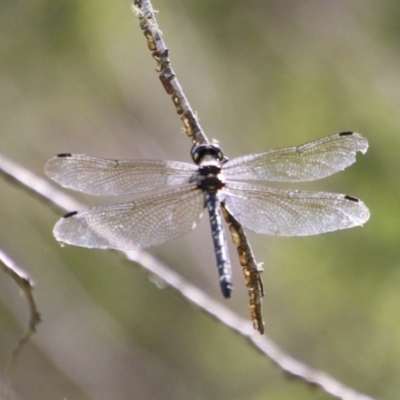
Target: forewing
(142,223)
(113,177)
(293,213)
(307,162)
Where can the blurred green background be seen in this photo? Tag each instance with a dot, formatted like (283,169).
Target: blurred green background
(76,76)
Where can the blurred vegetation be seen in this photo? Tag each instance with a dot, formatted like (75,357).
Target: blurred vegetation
(76,76)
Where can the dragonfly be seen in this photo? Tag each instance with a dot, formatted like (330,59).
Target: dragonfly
(182,191)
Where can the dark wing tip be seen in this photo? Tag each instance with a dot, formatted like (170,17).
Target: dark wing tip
(351,198)
(63,155)
(348,133)
(70,214)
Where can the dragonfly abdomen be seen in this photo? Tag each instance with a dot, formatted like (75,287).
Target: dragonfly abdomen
(219,241)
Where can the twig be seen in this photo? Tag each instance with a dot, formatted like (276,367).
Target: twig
(251,270)
(296,369)
(148,23)
(20,277)
(144,11)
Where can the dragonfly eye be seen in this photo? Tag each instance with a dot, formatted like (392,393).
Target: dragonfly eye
(199,151)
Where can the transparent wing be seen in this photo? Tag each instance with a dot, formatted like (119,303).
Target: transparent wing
(142,223)
(307,162)
(112,177)
(292,213)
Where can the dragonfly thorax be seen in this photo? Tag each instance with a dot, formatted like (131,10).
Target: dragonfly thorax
(209,177)
(209,158)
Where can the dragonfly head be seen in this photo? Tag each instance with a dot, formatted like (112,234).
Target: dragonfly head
(203,152)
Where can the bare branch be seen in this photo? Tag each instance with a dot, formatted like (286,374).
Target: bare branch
(251,270)
(20,277)
(144,11)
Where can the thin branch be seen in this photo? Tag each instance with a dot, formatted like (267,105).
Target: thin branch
(295,369)
(148,23)
(251,270)
(20,277)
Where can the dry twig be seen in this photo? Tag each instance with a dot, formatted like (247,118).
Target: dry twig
(20,277)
